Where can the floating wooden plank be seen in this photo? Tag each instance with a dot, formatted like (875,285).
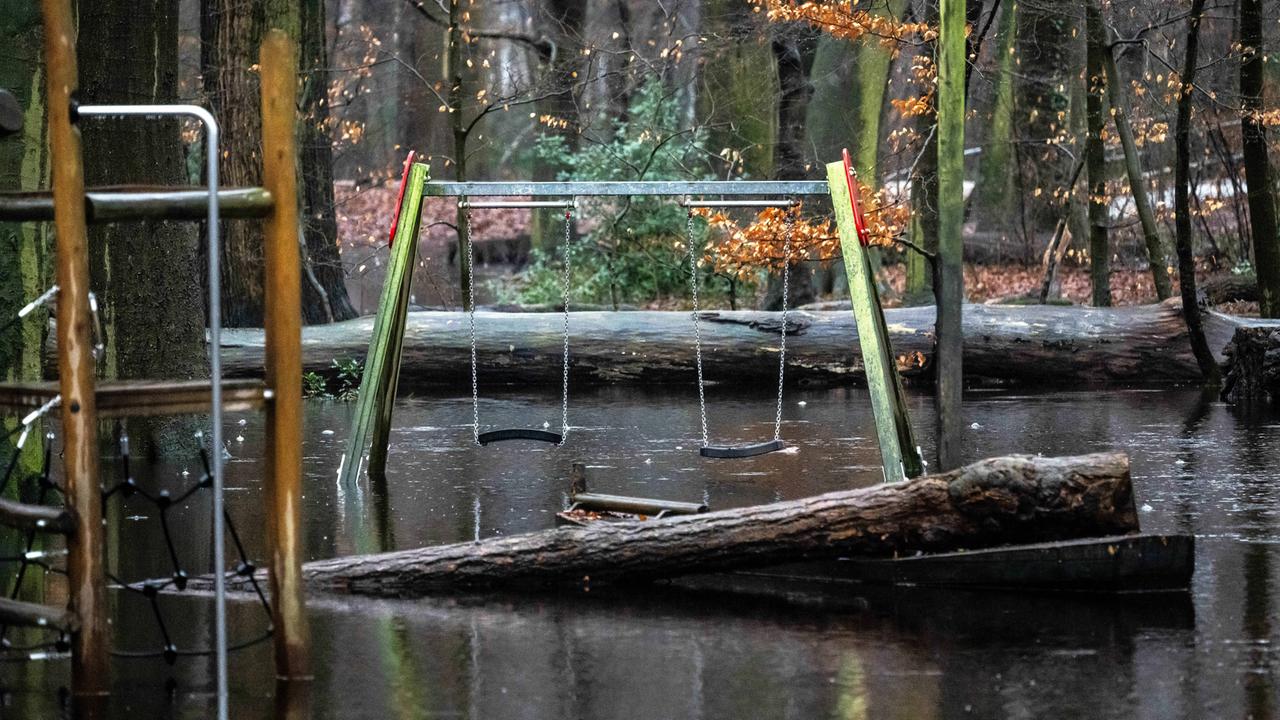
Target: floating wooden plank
(618,506)
(144,397)
(43,518)
(137,202)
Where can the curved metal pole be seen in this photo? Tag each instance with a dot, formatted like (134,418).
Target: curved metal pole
(211,135)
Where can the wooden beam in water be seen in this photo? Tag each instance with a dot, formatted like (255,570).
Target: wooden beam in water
(90,669)
(372,426)
(283,300)
(898,450)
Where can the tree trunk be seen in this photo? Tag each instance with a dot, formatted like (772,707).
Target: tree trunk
(147,275)
(23,166)
(1095,157)
(792,159)
(924,193)
(950,282)
(24,247)
(994,502)
(1046,34)
(1182,203)
(325,299)
(1137,182)
(994,192)
(231,32)
(743,73)
(1257,166)
(1053,346)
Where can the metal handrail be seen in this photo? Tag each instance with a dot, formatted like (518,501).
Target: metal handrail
(215,355)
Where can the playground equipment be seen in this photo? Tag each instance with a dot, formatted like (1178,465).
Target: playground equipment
(484,438)
(742,451)
(82,401)
(899,452)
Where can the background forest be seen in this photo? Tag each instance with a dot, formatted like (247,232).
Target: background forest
(1076,113)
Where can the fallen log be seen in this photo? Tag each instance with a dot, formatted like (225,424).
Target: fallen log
(1015,499)
(1042,345)
(1230,288)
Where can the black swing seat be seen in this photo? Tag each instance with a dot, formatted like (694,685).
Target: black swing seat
(520,434)
(742,451)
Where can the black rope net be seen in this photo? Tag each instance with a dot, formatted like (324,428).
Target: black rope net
(56,643)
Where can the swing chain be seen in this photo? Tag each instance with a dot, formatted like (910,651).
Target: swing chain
(471,304)
(564,298)
(786,293)
(697,329)
(566,281)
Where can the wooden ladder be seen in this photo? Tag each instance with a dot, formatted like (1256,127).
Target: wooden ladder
(83,402)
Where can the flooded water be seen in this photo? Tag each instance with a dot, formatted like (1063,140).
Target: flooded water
(1198,467)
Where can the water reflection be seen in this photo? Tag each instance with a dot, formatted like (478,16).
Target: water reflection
(674,652)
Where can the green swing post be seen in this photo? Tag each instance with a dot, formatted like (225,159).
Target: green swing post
(899,452)
(372,426)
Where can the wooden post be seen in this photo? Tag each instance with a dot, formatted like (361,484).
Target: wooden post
(949,357)
(283,300)
(90,670)
(376,401)
(898,451)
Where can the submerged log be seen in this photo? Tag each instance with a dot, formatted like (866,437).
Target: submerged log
(999,501)
(1044,345)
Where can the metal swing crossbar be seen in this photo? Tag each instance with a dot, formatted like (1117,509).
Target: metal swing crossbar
(622,188)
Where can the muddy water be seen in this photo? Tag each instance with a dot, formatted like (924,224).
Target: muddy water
(1198,467)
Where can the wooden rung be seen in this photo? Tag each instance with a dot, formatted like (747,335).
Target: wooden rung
(139,202)
(145,397)
(35,517)
(16,612)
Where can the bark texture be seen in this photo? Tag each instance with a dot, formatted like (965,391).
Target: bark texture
(1040,345)
(325,289)
(147,275)
(1257,166)
(949,286)
(994,502)
(1095,157)
(231,32)
(1253,366)
(1182,201)
(1137,180)
(24,165)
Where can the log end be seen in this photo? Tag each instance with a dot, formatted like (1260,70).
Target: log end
(1024,496)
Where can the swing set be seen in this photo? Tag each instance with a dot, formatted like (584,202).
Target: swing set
(900,455)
